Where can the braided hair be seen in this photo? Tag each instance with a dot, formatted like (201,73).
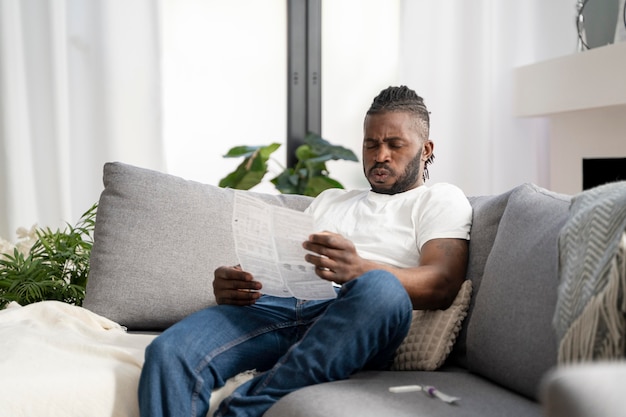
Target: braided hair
(403,99)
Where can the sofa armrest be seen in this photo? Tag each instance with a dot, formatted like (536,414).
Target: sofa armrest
(585,390)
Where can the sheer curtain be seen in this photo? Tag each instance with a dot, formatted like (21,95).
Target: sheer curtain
(460,57)
(172,84)
(224,82)
(225,86)
(79,86)
(463,61)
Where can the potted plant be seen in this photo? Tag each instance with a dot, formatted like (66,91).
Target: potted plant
(308,177)
(55,267)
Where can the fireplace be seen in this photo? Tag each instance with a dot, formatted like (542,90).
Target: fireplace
(598,171)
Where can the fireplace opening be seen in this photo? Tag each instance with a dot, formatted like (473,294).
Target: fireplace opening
(599,171)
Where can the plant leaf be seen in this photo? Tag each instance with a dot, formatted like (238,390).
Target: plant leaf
(318,184)
(287,182)
(248,174)
(56,267)
(251,171)
(247,151)
(322,148)
(239,151)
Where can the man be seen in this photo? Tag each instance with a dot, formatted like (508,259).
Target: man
(397,247)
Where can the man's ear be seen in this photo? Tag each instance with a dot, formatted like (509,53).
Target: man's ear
(427,149)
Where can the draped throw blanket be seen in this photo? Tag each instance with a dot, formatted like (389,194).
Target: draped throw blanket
(590,316)
(61,360)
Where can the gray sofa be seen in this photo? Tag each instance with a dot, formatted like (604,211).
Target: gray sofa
(158,239)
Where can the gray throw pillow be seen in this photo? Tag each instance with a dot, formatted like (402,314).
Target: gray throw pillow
(510,338)
(157,241)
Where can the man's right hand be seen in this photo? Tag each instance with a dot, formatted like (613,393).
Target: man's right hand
(234,286)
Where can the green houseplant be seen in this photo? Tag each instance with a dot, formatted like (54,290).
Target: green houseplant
(56,267)
(308,177)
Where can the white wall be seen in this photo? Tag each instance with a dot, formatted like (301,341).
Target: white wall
(597,133)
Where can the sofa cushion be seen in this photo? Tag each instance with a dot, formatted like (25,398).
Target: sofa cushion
(486,214)
(366,394)
(510,338)
(158,238)
(432,335)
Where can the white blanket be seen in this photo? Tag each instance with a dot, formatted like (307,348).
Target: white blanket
(61,360)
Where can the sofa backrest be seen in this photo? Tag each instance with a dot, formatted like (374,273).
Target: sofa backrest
(510,338)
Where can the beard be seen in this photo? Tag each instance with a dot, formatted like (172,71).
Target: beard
(404,182)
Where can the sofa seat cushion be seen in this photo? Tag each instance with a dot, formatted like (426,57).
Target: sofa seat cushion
(367,394)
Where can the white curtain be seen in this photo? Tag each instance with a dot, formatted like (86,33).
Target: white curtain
(460,57)
(462,60)
(81,82)
(224,77)
(79,86)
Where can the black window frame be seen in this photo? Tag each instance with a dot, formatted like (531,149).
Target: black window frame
(304,73)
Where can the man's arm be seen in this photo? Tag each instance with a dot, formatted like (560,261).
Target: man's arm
(432,284)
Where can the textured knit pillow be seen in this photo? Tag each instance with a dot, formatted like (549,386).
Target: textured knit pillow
(432,335)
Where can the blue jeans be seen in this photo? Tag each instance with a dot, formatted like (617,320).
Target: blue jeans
(293,343)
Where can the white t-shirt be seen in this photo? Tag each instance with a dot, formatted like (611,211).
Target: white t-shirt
(392,228)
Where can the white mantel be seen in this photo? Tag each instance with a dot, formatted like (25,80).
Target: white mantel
(584,97)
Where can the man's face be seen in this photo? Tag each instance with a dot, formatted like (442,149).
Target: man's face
(393,152)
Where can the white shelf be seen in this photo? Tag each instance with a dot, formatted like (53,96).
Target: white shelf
(587,80)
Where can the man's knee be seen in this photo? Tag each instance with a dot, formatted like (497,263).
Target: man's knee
(380,289)
(159,349)
(379,281)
